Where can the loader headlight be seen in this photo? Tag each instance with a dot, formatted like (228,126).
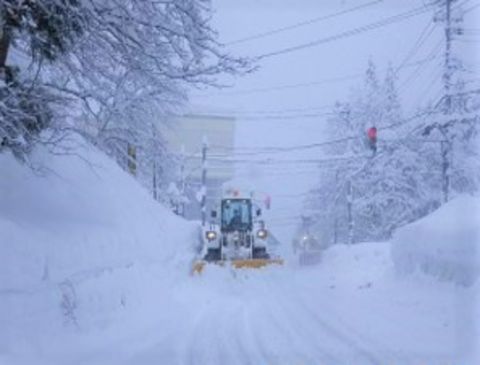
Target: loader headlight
(211,235)
(262,233)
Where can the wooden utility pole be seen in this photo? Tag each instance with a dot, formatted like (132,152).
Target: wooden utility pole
(154,180)
(350,212)
(335,215)
(452,27)
(203,205)
(132,159)
(182,179)
(154,167)
(445,148)
(447,76)
(4,40)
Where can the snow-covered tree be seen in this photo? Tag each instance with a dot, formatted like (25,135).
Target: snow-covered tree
(392,110)
(47,29)
(123,65)
(362,195)
(131,70)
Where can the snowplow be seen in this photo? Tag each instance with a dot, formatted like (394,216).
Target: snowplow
(236,236)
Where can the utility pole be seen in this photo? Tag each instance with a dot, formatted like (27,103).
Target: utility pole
(154,167)
(203,204)
(154,182)
(132,159)
(182,179)
(349,210)
(445,148)
(452,19)
(447,76)
(335,216)
(4,40)
(346,115)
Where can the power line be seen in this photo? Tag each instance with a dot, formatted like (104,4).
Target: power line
(269,150)
(272,161)
(434,54)
(473,7)
(349,33)
(418,44)
(384,22)
(281,111)
(259,116)
(293,116)
(310,84)
(244,112)
(288,86)
(405,85)
(301,24)
(435,78)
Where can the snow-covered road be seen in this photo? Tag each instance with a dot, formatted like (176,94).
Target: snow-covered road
(351,309)
(86,281)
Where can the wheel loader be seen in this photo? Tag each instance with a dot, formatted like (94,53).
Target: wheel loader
(237,235)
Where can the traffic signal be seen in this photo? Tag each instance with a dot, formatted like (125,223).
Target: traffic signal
(372,138)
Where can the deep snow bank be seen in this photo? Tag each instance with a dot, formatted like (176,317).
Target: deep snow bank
(79,241)
(444,244)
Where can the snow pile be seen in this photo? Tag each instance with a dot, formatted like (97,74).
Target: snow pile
(95,272)
(444,244)
(82,244)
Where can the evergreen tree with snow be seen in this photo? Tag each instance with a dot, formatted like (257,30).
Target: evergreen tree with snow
(364,196)
(45,29)
(112,70)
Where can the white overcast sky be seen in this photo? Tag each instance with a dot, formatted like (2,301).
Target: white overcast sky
(236,19)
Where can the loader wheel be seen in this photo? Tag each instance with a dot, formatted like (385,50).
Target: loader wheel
(260,253)
(213,254)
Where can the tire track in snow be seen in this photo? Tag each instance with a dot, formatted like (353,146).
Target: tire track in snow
(365,340)
(216,337)
(286,328)
(203,338)
(296,334)
(266,319)
(352,342)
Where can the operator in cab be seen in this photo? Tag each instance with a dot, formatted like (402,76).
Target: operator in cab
(236,219)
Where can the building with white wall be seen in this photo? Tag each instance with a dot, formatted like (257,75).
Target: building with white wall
(185,138)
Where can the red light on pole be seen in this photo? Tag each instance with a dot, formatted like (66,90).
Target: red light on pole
(372,138)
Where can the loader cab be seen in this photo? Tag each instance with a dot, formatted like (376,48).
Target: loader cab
(236,215)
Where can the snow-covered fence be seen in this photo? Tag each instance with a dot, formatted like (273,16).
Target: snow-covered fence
(444,244)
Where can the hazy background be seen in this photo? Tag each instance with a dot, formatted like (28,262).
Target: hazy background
(273,105)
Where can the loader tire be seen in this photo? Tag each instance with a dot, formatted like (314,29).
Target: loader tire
(260,253)
(213,254)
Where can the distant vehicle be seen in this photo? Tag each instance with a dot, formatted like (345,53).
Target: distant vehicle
(238,235)
(308,248)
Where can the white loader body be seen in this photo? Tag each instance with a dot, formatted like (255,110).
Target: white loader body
(237,233)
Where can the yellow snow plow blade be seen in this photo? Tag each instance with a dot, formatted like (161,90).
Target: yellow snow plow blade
(237,264)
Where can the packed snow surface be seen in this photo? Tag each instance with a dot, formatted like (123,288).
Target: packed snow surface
(95,272)
(445,244)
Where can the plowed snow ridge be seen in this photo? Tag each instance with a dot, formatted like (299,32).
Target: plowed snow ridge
(95,272)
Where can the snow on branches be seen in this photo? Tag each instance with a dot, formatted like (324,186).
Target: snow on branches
(123,65)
